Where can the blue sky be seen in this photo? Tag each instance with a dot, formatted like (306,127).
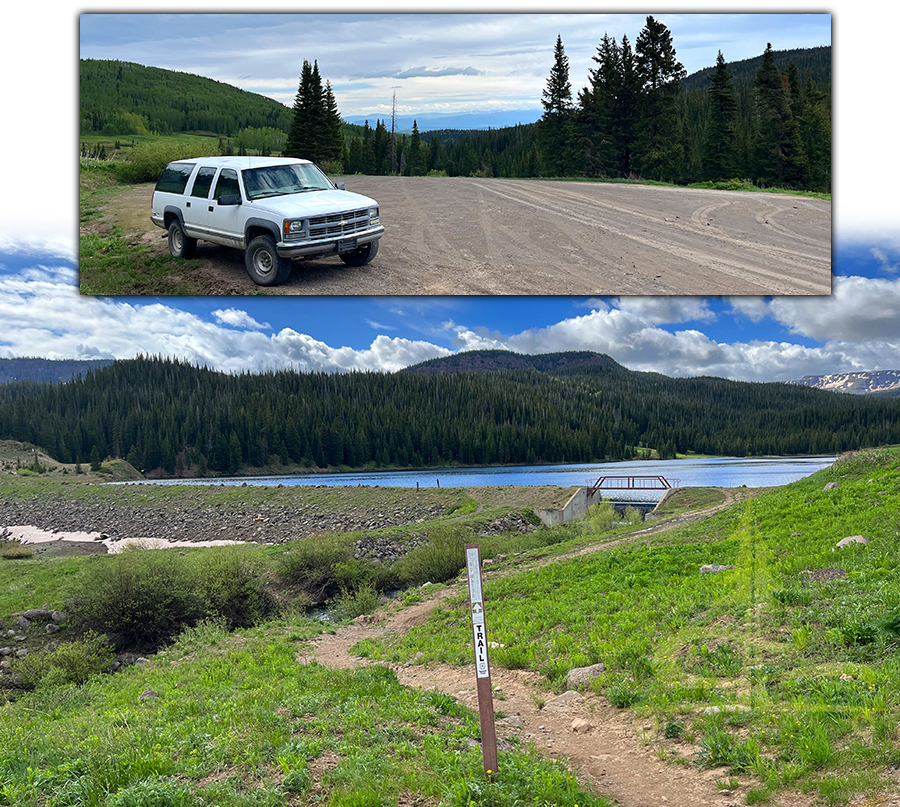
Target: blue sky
(436,62)
(857,328)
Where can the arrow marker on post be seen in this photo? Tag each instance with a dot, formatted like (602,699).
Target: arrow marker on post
(482,664)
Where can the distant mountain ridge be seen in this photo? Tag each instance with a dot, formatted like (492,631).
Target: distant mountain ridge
(51,371)
(874,382)
(488,361)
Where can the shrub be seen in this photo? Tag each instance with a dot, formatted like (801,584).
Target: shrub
(146,162)
(310,565)
(297,780)
(144,598)
(438,560)
(623,694)
(232,587)
(71,663)
(353,603)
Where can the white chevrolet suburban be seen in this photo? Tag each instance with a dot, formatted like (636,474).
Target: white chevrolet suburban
(273,208)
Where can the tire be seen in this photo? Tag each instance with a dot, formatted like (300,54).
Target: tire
(264,265)
(361,256)
(180,245)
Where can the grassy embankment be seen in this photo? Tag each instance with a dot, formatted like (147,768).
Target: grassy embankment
(802,663)
(803,669)
(236,720)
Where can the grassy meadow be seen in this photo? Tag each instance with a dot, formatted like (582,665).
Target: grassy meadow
(783,672)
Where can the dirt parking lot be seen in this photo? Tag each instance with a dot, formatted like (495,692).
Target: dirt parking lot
(497,236)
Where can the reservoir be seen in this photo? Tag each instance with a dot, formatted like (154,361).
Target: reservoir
(726,472)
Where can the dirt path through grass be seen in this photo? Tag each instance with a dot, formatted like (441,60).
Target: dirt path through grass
(615,756)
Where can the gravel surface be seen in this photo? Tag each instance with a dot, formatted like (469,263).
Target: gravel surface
(457,235)
(271,524)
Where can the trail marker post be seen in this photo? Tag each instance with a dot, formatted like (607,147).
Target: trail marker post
(482,664)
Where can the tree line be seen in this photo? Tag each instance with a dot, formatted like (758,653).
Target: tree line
(639,117)
(168,416)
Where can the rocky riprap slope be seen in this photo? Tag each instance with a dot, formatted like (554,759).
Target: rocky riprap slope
(273,524)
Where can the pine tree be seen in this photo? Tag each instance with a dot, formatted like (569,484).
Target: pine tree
(333,145)
(597,103)
(779,150)
(815,132)
(625,109)
(719,148)
(308,138)
(415,159)
(435,154)
(556,120)
(658,151)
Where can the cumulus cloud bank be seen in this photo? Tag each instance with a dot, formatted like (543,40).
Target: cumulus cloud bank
(855,329)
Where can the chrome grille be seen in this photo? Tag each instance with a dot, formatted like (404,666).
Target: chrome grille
(340,224)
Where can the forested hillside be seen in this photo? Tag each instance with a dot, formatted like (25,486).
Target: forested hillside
(164,414)
(122,98)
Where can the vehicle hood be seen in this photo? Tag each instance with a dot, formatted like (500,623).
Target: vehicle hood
(313,203)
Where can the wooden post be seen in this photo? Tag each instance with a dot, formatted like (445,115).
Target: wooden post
(482,664)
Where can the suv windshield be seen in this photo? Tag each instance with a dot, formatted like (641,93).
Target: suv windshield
(279,180)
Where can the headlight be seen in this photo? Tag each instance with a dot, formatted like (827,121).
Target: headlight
(373,215)
(294,228)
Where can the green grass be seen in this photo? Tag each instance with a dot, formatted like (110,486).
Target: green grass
(803,671)
(238,722)
(815,664)
(682,499)
(113,264)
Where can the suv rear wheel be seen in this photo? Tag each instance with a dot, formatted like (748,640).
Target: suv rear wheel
(264,265)
(361,256)
(180,245)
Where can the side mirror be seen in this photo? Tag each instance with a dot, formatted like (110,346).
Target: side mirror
(231,199)
(340,186)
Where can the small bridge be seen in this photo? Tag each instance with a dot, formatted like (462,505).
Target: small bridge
(629,483)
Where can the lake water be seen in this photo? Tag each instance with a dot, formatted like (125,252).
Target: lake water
(730,472)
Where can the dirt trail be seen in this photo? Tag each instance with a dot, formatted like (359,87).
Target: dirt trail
(615,756)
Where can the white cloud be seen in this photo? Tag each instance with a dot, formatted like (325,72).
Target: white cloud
(859,309)
(379,326)
(856,329)
(240,319)
(44,315)
(667,310)
(886,266)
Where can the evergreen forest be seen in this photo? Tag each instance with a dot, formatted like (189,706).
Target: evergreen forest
(764,121)
(166,416)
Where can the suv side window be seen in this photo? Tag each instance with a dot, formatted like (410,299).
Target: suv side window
(202,182)
(227,184)
(174,177)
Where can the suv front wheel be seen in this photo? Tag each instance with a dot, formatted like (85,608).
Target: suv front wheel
(361,256)
(180,245)
(264,265)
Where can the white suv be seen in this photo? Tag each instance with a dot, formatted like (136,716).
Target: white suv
(274,208)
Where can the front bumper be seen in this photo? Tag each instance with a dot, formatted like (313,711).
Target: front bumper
(326,246)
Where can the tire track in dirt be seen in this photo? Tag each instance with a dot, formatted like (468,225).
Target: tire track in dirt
(457,235)
(617,757)
(749,272)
